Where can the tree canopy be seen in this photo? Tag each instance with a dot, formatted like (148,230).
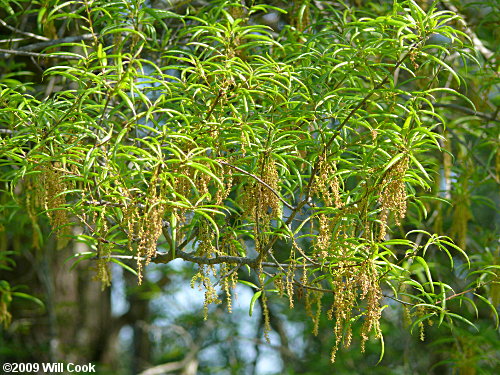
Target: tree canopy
(339,156)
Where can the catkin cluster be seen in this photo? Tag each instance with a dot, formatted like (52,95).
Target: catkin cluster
(211,245)
(312,298)
(49,193)
(372,294)
(103,273)
(260,204)
(222,194)
(326,187)
(151,223)
(352,284)
(392,196)
(206,238)
(204,282)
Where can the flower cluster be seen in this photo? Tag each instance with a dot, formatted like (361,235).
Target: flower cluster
(260,203)
(49,193)
(347,281)
(392,196)
(151,222)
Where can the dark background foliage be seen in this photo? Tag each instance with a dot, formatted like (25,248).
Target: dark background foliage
(366,83)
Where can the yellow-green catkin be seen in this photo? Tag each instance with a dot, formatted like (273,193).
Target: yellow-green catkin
(393,196)
(151,223)
(267,318)
(49,194)
(259,202)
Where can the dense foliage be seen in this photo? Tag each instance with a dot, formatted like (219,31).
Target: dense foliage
(344,158)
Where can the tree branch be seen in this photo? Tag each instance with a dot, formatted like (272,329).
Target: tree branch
(465,291)
(467,111)
(49,43)
(315,169)
(458,107)
(167,257)
(25,33)
(258,180)
(34,54)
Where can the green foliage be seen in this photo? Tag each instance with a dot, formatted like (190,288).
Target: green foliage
(208,136)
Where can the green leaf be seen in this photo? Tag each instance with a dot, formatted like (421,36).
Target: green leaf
(254,299)
(123,265)
(29,298)
(80,257)
(425,266)
(490,305)
(248,283)
(462,319)
(420,167)
(443,64)
(442,295)
(393,161)
(382,349)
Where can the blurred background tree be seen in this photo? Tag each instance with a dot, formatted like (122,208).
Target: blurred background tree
(181,132)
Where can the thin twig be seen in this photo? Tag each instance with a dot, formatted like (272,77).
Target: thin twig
(298,283)
(233,270)
(102,202)
(214,104)
(166,257)
(467,111)
(125,257)
(258,180)
(465,291)
(31,35)
(43,55)
(49,43)
(399,300)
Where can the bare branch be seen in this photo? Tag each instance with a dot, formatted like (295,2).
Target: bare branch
(399,300)
(31,35)
(43,55)
(480,285)
(50,43)
(167,257)
(466,110)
